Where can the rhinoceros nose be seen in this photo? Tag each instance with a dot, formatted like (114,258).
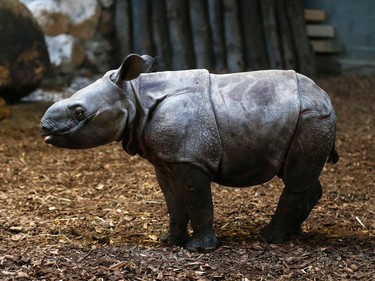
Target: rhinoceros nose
(45,129)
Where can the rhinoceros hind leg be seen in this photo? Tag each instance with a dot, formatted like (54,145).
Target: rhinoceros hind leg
(308,152)
(293,209)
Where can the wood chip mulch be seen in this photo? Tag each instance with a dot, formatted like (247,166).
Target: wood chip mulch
(97,214)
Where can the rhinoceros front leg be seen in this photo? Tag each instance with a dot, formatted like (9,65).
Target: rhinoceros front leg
(189,193)
(178,218)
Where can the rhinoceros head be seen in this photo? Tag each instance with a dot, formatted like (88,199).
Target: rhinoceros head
(97,114)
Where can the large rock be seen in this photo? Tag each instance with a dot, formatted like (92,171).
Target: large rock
(97,53)
(23,53)
(66,52)
(106,3)
(4,111)
(50,17)
(84,17)
(77,17)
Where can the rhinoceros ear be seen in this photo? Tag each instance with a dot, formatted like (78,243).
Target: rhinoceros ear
(149,63)
(130,68)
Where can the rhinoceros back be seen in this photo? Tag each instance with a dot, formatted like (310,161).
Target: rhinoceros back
(237,127)
(313,98)
(257,113)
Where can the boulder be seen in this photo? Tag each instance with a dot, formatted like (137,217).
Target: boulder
(23,53)
(66,52)
(4,111)
(79,18)
(98,53)
(106,3)
(84,16)
(50,17)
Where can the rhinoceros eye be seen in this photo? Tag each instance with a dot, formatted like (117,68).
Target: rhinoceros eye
(79,113)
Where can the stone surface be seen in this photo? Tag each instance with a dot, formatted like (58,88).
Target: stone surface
(106,26)
(97,53)
(66,53)
(71,26)
(23,52)
(79,18)
(50,17)
(4,111)
(84,16)
(106,3)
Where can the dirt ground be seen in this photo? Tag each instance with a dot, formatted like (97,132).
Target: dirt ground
(97,214)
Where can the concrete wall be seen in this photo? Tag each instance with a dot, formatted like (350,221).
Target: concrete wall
(354,23)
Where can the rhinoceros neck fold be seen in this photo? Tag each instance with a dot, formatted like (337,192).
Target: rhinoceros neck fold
(129,136)
(144,105)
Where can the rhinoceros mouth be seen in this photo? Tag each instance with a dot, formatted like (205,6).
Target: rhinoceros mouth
(49,131)
(57,140)
(49,134)
(48,138)
(53,137)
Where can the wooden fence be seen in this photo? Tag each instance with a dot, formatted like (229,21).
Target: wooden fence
(220,35)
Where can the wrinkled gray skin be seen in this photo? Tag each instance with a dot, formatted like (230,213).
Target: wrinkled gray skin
(237,129)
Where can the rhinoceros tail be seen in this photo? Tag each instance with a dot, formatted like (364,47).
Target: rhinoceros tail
(333,157)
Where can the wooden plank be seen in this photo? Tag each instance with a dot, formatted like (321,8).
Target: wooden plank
(304,53)
(327,46)
(315,15)
(233,39)
(215,13)
(285,37)
(142,44)
(161,34)
(200,31)
(270,28)
(123,28)
(179,34)
(255,47)
(320,30)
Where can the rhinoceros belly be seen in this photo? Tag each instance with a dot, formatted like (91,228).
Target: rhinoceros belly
(256,114)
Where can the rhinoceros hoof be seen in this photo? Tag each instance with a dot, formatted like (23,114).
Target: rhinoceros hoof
(174,239)
(203,243)
(272,234)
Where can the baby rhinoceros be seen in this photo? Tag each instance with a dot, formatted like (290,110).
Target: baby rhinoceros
(237,130)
